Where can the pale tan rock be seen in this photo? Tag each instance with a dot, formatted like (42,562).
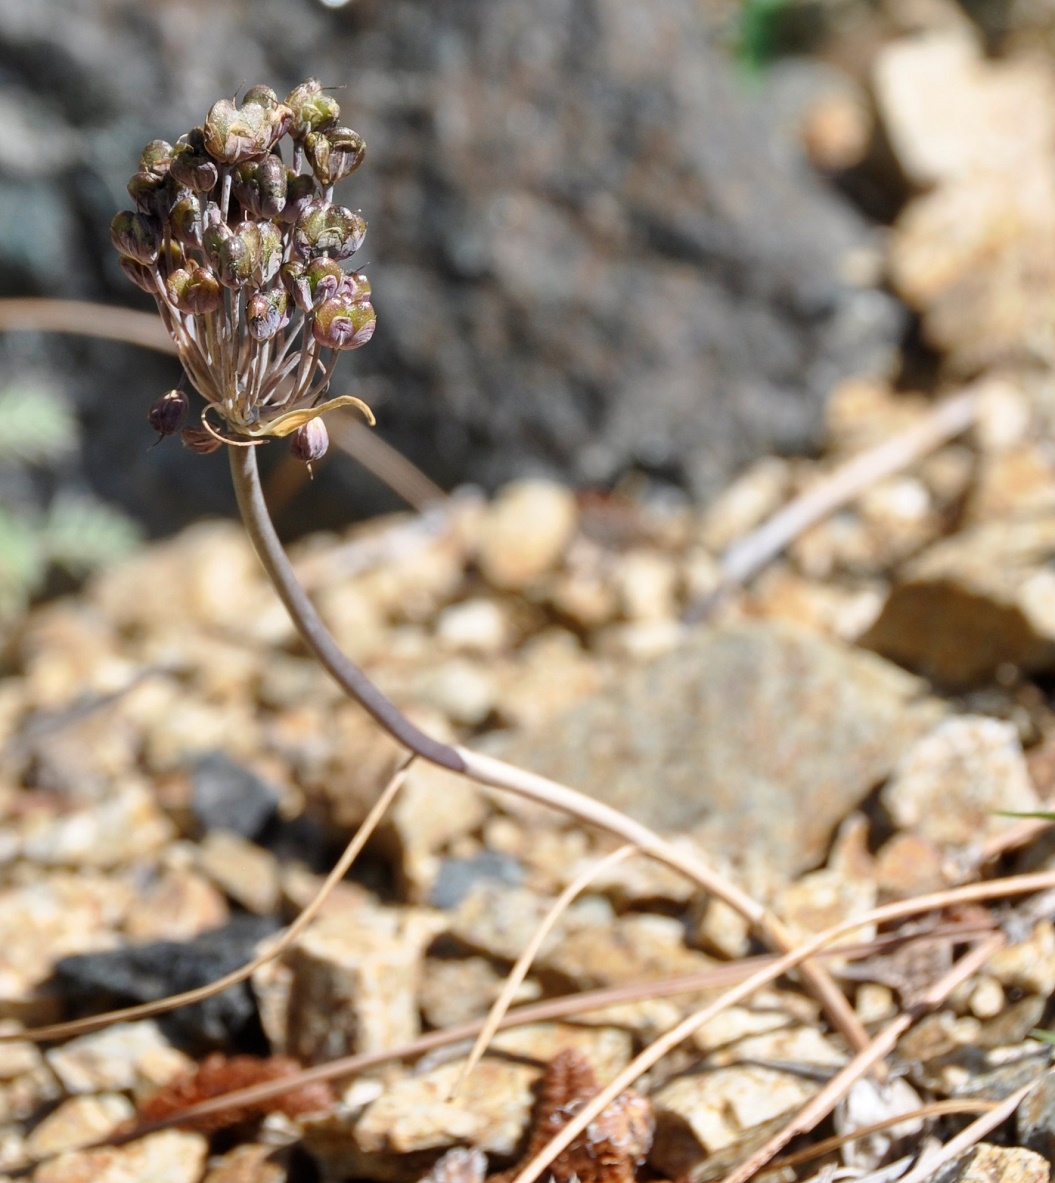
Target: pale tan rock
(1009,1164)
(1029,965)
(249,1163)
(585,595)
(434,808)
(464,691)
(698,1114)
(950,785)
(552,674)
(499,920)
(178,905)
(647,582)
(1018,481)
(398,1136)
(169,1156)
(57,915)
(974,257)
(910,865)
(353,986)
(458,990)
(950,112)
(630,948)
(757,492)
(478,625)
(245,871)
(525,532)
(836,130)
(821,899)
(127,826)
(78,1121)
(120,1058)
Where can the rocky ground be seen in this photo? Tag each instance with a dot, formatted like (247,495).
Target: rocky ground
(176,775)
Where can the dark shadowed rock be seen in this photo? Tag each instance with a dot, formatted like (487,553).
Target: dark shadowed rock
(759,740)
(145,973)
(593,247)
(226,796)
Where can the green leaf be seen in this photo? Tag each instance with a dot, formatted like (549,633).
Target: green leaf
(37,425)
(81,534)
(22,561)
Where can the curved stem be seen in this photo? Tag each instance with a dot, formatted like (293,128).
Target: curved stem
(496,773)
(349,677)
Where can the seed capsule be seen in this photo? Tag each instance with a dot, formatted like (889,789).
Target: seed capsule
(343,323)
(166,416)
(327,229)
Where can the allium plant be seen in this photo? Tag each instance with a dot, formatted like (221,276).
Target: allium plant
(242,253)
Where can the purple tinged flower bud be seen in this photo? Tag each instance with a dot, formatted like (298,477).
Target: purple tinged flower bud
(229,255)
(342,323)
(295,282)
(326,229)
(355,286)
(141,275)
(156,158)
(197,292)
(197,439)
(300,192)
(166,416)
(233,133)
(312,110)
(136,236)
(143,188)
(310,441)
(334,154)
(260,186)
(191,165)
(267,313)
(186,220)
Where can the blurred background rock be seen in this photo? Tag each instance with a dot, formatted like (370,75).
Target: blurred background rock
(597,245)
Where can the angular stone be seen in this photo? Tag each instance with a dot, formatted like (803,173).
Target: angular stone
(525,532)
(980,599)
(121,1058)
(1010,1164)
(951,785)
(758,740)
(169,1156)
(78,1121)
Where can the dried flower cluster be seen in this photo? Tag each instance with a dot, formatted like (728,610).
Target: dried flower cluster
(242,253)
(217,1075)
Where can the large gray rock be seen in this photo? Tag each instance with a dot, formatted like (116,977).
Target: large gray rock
(759,740)
(592,247)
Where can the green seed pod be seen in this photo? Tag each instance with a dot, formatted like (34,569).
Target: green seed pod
(312,110)
(300,192)
(143,277)
(191,165)
(264,243)
(260,186)
(197,292)
(341,323)
(334,154)
(267,313)
(309,442)
(197,439)
(136,236)
(144,188)
(186,219)
(229,254)
(326,229)
(355,286)
(166,416)
(233,134)
(156,158)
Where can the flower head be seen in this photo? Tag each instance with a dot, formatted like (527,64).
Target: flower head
(241,250)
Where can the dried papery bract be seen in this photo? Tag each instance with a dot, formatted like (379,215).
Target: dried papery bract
(241,249)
